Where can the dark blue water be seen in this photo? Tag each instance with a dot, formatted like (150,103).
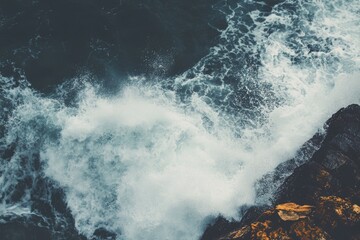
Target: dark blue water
(51,41)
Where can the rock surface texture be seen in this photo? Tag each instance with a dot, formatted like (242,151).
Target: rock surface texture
(320,200)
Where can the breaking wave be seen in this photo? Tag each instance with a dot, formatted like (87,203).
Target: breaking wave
(161,156)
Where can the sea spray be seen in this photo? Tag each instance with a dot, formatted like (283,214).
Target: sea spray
(159,157)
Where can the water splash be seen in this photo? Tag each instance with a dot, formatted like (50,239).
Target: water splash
(156,159)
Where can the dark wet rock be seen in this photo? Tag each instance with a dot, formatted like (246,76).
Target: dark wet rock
(320,199)
(51,41)
(334,168)
(272,181)
(252,214)
(219,227)
(339,216)
(307,188)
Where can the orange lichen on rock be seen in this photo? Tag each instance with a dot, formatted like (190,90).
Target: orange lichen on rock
(268,212)
(356,209)
(240,233)
(279,234)
(258,230)
(292,211)
(302,222)
(304,230)
(338,210)
(294,207)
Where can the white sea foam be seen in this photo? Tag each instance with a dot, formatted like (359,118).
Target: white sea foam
(149,163)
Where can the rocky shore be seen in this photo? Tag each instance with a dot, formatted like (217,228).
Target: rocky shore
(319,200)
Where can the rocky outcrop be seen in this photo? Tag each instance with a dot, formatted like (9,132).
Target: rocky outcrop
(334,168)
(331,218)
(319,200)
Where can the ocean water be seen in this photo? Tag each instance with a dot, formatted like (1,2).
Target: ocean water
(161,156)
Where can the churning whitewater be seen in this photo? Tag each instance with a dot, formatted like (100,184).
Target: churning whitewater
(161,157)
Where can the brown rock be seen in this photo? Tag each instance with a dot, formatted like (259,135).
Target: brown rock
(334,169)
(243,233)
(305,230)
(337,212)
(289,215)
(356,209)
(259,230)
(292,211)
(279,234)
(329,181)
